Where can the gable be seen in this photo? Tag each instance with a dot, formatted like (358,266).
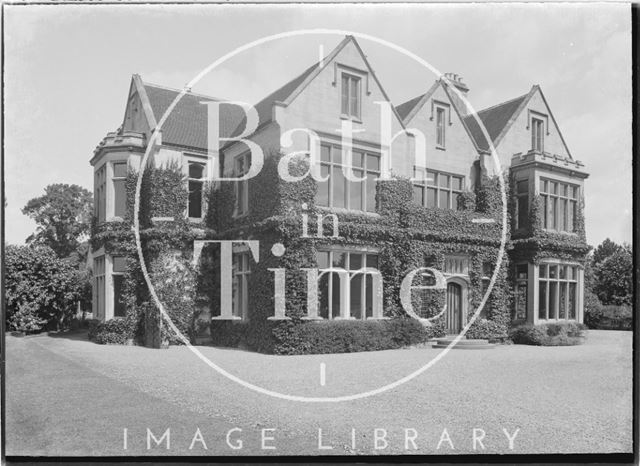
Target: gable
(517,136)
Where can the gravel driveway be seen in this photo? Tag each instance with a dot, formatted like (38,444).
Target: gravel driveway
(67,396)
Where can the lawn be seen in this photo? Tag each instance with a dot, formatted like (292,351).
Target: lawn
(67,396)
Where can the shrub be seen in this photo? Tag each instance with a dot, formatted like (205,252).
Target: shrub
(114,331)
(615,318)
(40,288)
(551,334)
(592,309)
(487,330)
(333,336)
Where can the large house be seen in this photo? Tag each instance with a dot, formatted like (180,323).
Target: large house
(441,209)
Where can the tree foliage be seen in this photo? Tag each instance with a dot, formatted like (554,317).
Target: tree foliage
(40,288)
(614,278)
(62,215)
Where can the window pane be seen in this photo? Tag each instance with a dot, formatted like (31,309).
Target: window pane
(369,296)
(431,197)
(322,195)
(357,158)
(553,271)
(323,296)
(456,183)
(339,181)
(325,153)
(345,95)
(543,270)
(355,296)
(372,261)
(355,192)
(523,211)
(355,97)
(574,192)
(543,186)
(119,264)
(454,201)
(554,187)
(443,202)
(562,218)
(553,296)
(196,170)
(522,187)
(542,301)
(120,202)
(120,170)
(339,259)
(322,257)
(444,180)
(563,271)
(572,300)
(335,296)
(432,178)
(119,309)
(355,261)
(195,199)
(551,218)
(371,192)
(522,271)
(373,162)
(563,301)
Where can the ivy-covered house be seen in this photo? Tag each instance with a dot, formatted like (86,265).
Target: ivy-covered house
(440,208)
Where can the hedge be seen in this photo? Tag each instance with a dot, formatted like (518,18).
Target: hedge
(609,317)
(331,336)
(487,330)
(114,331)
(550,334)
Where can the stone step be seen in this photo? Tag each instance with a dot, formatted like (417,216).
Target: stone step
(464,344)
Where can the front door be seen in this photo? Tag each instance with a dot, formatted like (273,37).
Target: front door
(454,308)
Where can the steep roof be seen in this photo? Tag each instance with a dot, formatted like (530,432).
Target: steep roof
(405,108)
(186,125)
(495,119)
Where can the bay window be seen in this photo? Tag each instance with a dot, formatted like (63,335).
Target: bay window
(119,189)
(100,188)
(559,205)
(119,267)
(558,291)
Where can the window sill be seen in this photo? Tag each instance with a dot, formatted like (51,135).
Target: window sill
(560,232)
(114,219)
(352,118)
(342,210)
(441,148)
(240,216)
(196,220)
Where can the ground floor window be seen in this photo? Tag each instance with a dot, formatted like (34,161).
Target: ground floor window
(558,291)
(119,268)
(98,283)
(361,296)
(240,296)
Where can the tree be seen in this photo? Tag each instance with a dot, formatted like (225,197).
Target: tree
(614,278)
(40,288)
(63,216)
(604,250)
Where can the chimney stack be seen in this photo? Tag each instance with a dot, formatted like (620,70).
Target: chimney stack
(456,81)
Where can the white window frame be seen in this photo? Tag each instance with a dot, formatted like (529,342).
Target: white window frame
(441,126)
(349,77)
(115,178)
(345,301)
(100,188)
(577,279)
(331,164)
(569,201)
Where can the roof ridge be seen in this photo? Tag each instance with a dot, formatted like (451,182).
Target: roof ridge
(501,103)
(174,89)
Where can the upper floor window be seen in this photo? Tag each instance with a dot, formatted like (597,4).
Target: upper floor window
(440,127)
(351,88)
(559,205)
(195,187)
(241,272)
(241,167)
(522,204)
(100,206)
(338,191)
(119,189)
(438,189)
(537,134)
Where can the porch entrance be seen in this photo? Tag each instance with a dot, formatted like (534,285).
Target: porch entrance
(453,316)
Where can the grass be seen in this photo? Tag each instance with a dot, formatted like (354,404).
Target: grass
(66,396)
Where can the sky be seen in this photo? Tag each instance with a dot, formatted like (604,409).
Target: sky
(68,70)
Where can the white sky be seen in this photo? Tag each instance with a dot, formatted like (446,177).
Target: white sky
(68,68)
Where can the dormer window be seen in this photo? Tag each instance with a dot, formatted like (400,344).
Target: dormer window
(351,95)
(537,134)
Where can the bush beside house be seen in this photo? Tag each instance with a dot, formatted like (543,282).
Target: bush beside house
(551,334)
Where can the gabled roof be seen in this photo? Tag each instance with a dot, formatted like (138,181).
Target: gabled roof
(289,91)
(186,125)
(496,120)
